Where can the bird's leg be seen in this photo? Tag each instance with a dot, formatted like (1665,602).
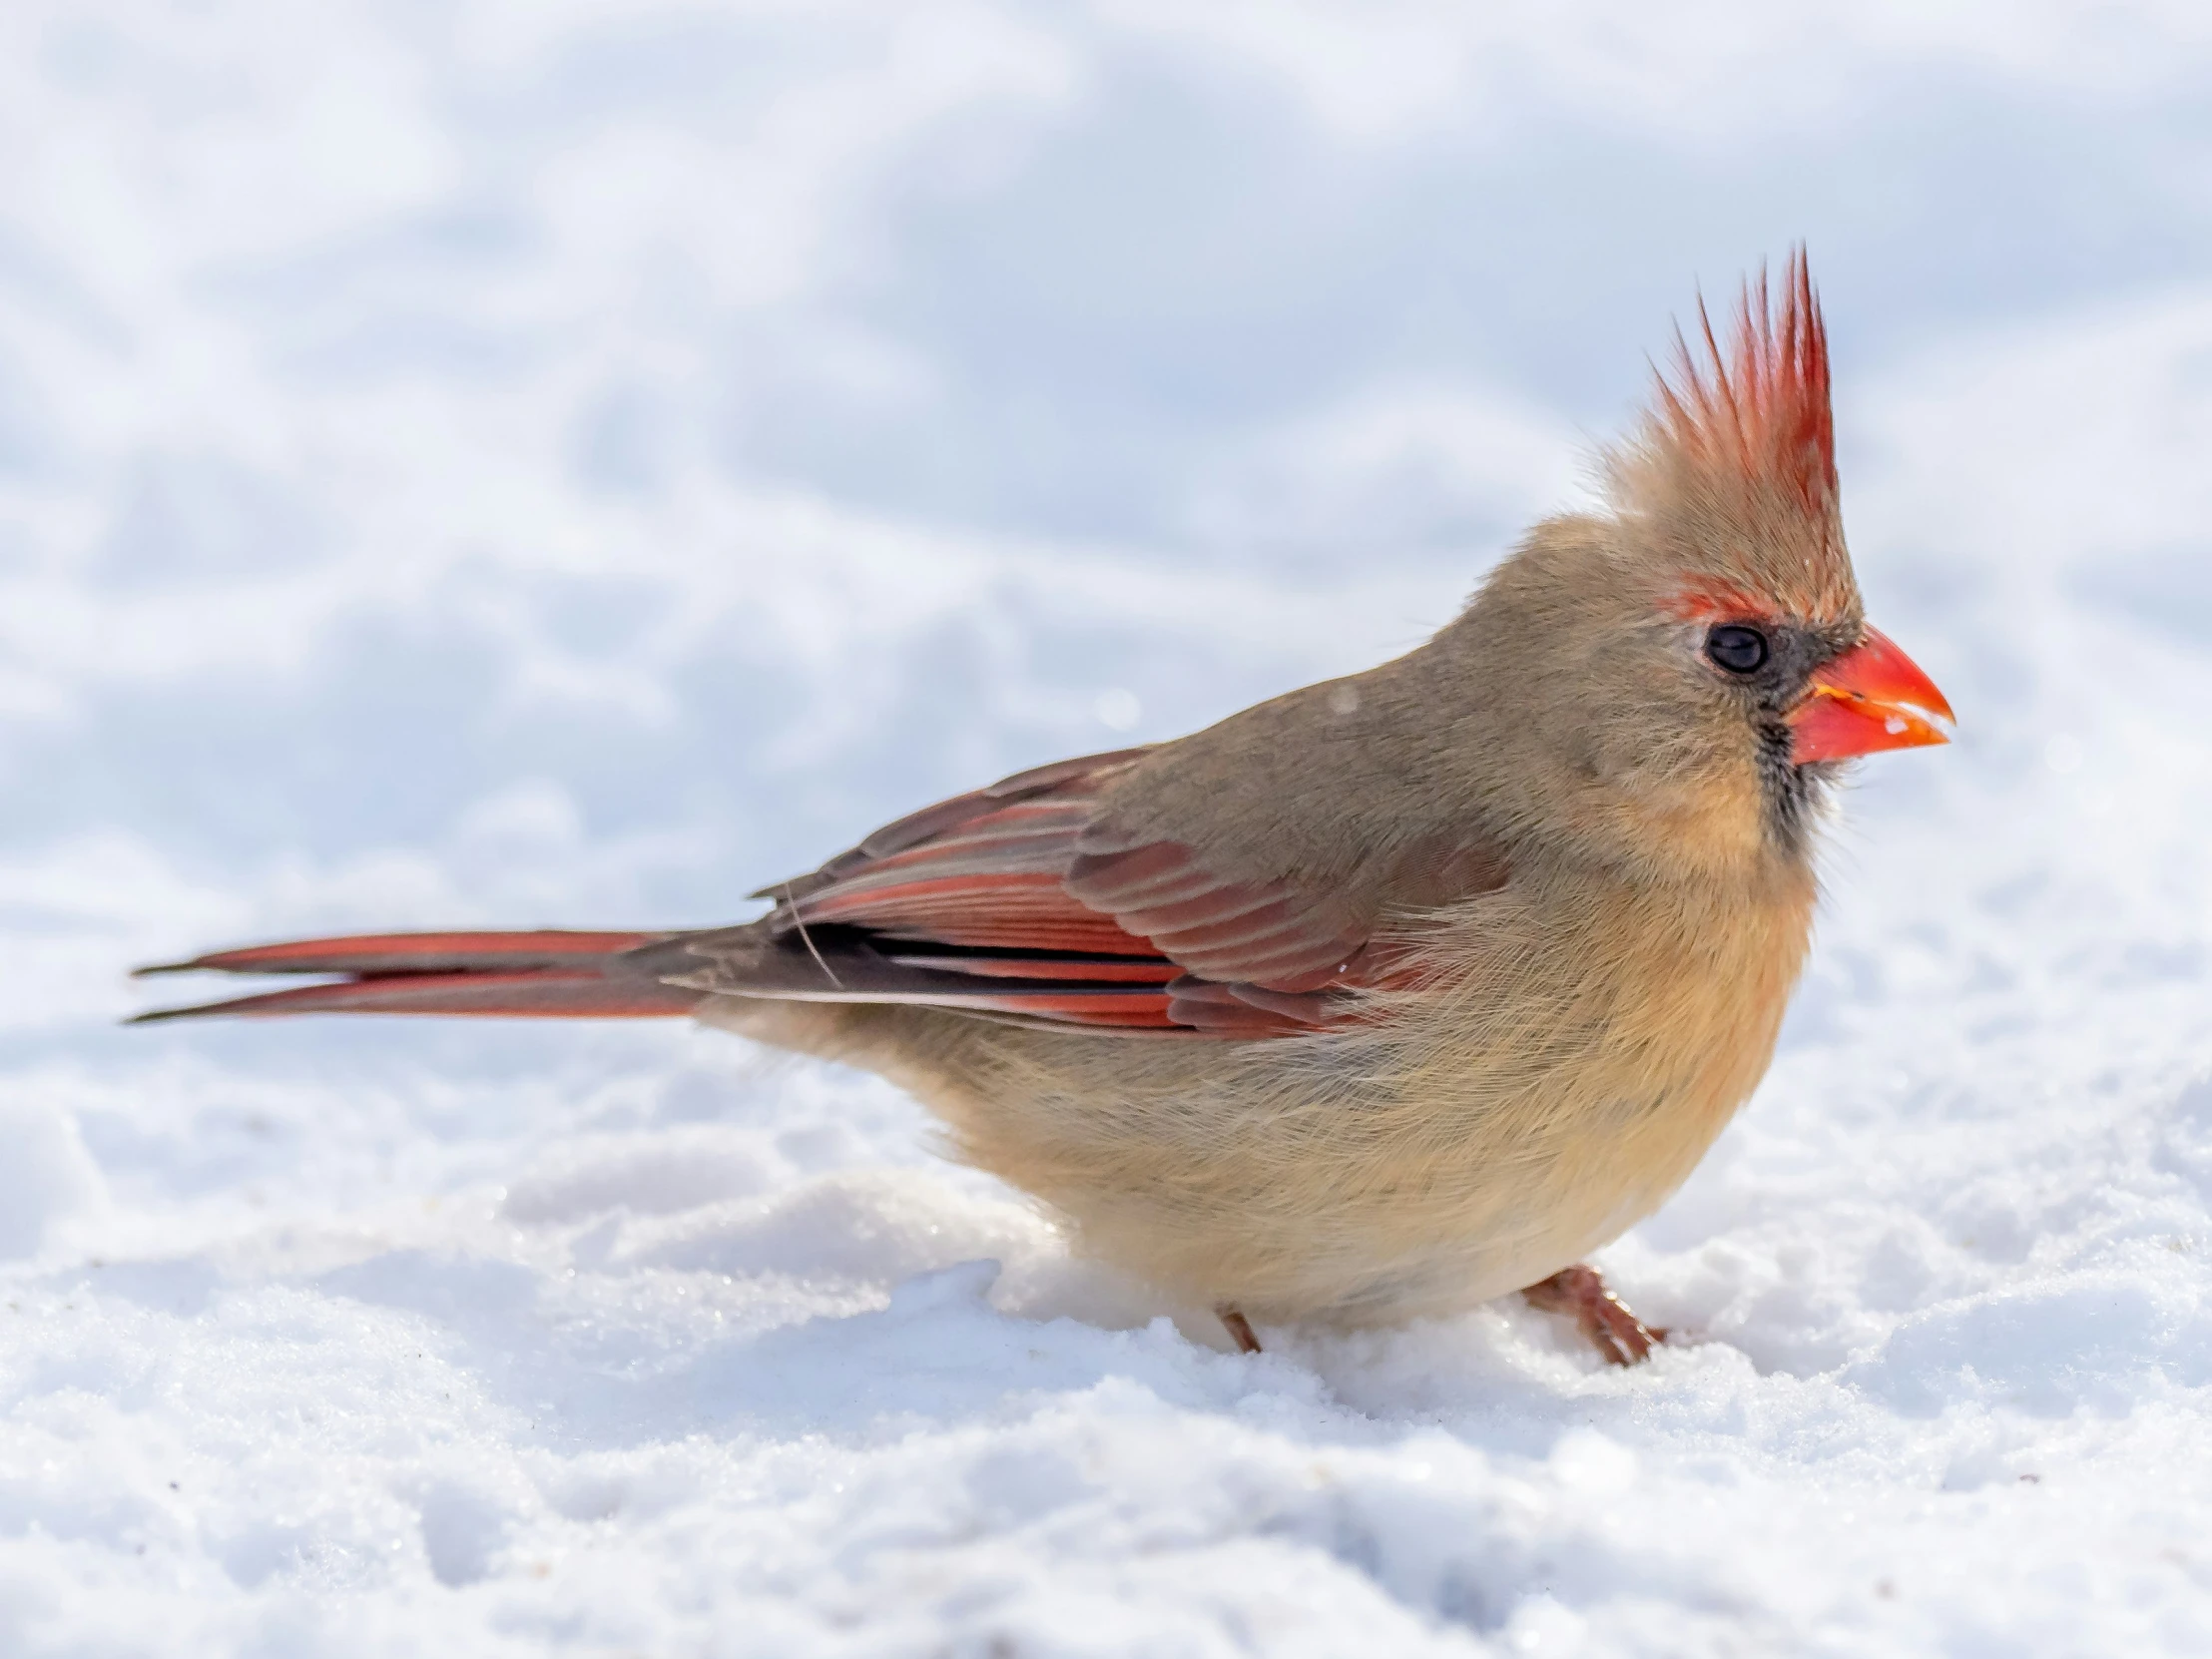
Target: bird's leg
(1240,1329)
(1616,1333)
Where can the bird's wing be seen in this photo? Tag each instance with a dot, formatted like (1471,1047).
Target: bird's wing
(1030,900)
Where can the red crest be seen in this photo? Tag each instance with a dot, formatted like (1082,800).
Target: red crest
(1763,404)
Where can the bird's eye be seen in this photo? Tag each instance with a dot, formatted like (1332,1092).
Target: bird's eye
(1736,648)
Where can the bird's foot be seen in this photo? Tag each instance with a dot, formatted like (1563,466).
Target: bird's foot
(1616,1333)
(1239,1328)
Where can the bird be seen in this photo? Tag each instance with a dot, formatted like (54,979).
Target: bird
(1389,996)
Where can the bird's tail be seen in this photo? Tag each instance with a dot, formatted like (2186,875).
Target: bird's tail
(547,973)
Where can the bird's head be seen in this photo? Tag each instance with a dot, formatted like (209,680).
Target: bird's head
(1694,665)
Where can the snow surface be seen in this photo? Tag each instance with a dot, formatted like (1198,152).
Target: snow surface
(539,461)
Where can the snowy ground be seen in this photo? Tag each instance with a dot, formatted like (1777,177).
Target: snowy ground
(569,462)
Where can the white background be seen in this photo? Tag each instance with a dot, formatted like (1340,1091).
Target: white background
(569,461)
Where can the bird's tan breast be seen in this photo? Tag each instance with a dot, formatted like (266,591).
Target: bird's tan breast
(1585,1051)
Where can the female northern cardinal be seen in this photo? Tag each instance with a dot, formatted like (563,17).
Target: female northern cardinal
(1386,996)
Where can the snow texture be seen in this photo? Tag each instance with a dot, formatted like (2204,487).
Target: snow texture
(570,461)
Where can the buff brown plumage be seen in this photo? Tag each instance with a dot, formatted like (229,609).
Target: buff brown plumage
(1386,996)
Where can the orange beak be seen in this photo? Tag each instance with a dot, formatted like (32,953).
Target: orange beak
(1873,697)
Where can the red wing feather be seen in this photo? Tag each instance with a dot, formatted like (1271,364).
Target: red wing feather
(1263,933)
(999,884)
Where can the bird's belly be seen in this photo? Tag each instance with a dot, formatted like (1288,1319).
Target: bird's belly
(1422,1259)
(1220,1209)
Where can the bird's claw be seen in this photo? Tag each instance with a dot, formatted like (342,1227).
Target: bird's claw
(1239,1328)
(1617,1334)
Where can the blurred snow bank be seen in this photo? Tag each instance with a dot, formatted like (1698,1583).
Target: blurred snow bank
(45,1176)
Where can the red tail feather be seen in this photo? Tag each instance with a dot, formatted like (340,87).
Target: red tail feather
(415,952)
(543,974)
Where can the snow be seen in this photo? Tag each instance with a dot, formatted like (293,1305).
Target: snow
(571,462)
